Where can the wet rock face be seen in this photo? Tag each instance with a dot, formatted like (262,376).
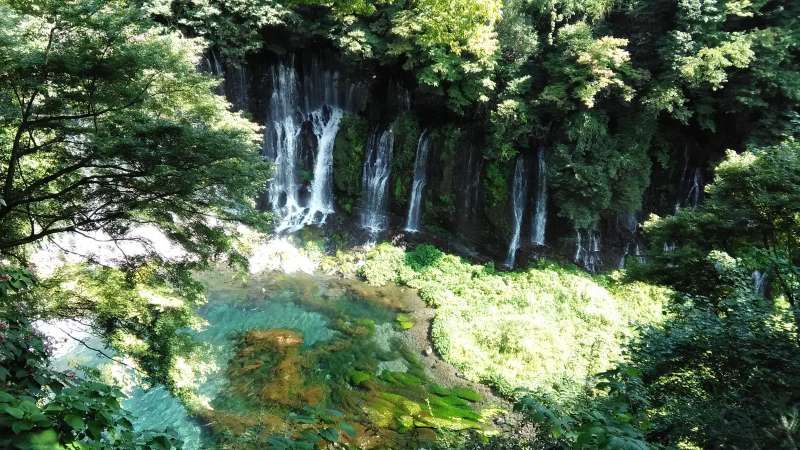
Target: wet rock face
(455,204)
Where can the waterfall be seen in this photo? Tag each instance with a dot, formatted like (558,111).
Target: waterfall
(420,167)
(325,123)
(315,104)
(625,254)
(283,131)
(693,198)
(517,208)
(375,180)
(587,249)
(759,282)
(628,226)
(540,210)
(637,252)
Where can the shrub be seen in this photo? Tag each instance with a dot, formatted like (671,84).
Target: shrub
(548,329)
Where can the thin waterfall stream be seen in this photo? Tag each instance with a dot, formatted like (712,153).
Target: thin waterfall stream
(375,180)
(517,209)
(540,209)
(418,185)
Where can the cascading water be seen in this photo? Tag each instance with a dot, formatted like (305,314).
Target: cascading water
(420,168)
(281,143)
(624,256)
(540,210)
(325,123)
(759,282)
(375,179)
(587,249)
(696,190)
(316,104)
(517,208)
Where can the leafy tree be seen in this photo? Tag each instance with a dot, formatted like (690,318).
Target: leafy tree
(233,26)
(752,212)
(44,409)
(106,124)
(449,45)
(723,372)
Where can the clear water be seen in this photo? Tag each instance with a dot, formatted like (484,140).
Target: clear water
(282,359)
(154,409)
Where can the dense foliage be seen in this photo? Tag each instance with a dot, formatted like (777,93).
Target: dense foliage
(106,124)
(547,330)
(44,409)
(752,212)
(614,90)
(106,128)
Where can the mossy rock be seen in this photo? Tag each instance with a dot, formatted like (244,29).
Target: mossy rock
(380,412)
(460,392)
(450,407)
(404,321)
(405,423)
(402,378)
(466,394)
(403,404)
(454,424)
(358,378)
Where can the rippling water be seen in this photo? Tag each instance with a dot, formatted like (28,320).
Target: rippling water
(285,360)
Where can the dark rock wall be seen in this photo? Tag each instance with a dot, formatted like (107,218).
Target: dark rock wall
(455,208)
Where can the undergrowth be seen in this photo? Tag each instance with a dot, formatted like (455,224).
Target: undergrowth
(548,329)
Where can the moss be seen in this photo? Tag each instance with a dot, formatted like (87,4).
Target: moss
(358,377)
(440,204)
(402,379)
(348,158)
(404,321)
(406,132)
(467,394)
(496,183)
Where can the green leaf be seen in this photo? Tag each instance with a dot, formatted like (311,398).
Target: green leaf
(43,440)
(13,411)
(18,427)
(76,422)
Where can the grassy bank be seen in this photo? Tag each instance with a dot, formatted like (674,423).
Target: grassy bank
(547,329)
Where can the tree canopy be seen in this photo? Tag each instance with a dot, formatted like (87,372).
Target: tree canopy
(107,124)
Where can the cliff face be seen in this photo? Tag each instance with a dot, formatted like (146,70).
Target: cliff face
(466,201)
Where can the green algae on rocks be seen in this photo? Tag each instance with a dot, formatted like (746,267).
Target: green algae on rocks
(296,361)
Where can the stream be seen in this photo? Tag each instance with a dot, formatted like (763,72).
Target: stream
(292,361)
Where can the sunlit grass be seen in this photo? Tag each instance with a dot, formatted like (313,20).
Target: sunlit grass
(548,329)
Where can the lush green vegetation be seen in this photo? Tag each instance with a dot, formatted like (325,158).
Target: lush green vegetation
(615,90)
(105,126)
(108,126)
(45,409)
(406,130)
(350,146)
(547,329)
